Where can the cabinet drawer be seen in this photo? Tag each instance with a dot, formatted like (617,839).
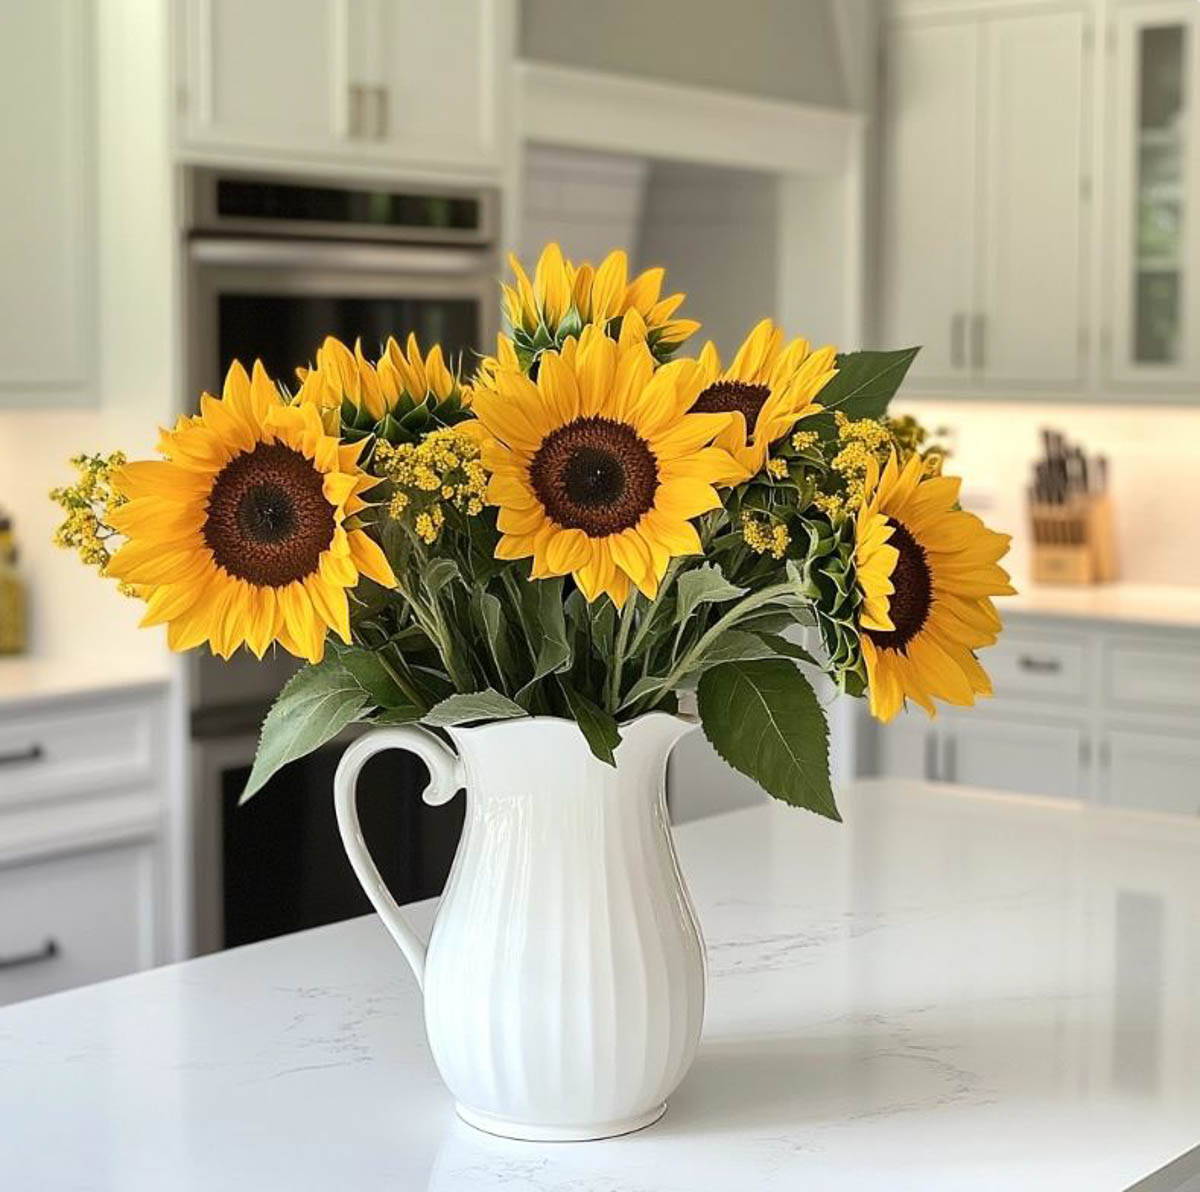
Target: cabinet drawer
(1042,667)
(76,918)
(1153,677)
(77,751)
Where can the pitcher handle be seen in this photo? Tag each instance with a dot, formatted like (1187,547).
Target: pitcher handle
(445,779)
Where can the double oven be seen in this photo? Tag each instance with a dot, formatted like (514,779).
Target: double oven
(273,265)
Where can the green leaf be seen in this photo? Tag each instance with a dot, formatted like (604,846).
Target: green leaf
(788,649)
(489,613)
(866,382)
(404,715)
(476,705)
(439,573)
(732,646)
(543,602)
(598,727)
(704,585)
(314,706)
(367,669)
(763,718)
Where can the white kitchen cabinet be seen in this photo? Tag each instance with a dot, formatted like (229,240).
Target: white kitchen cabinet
(929,194)
(1029,326)
(907,748)
(1082,709)
(1154,335)
(90,856)
(265,72)
(47,204)
(379,83)
(76,918)
(1153,770)
(985,198)
(1014,755)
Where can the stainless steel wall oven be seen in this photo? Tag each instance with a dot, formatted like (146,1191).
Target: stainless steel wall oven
(273,266)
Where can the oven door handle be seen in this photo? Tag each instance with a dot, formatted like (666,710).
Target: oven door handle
(444,260)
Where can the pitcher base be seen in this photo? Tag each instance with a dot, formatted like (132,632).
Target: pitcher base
(531,1132)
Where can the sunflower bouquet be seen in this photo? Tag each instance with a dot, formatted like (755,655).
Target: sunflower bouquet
(591,525)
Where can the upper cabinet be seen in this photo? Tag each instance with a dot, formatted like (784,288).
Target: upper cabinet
(387,84)
(47,204)
(986,199)
(1154,337)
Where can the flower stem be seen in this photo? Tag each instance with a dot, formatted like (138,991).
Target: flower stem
(746,605)
(402,682)
(627,615)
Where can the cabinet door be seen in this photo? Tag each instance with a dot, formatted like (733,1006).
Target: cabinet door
(1153,771)
(928,240)
(1155,243)
(442,84)
(1029,326)
(72,919)
(906,748)
(1031,758)
(266,73)
(47,140)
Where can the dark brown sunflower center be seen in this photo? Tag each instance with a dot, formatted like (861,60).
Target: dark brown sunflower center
(595,475)
(728,397)
(268,519)
(908,605)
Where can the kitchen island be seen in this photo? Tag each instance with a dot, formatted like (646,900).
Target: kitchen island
(951,990)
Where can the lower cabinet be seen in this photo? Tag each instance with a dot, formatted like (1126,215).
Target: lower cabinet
(77,917)
(1006,755)
(1100,713)
(1011,755)
(1153,770)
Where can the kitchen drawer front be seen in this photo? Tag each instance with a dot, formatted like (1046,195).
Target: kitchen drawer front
(78,750)
(1040,667)
(75,918)
(1153,677)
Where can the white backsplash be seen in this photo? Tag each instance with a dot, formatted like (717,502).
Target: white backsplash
(1154,473)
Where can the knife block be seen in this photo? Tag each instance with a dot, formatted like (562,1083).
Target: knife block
(1074,543)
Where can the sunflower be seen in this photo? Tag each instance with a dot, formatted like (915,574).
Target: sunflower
(927,571)
(414,389)
(245,532)
(597,466)
(768,388)
(564,297)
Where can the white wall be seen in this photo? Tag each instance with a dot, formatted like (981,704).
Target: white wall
(73,614)
(717,233)
(590,203)
(1154,470)
(782,49)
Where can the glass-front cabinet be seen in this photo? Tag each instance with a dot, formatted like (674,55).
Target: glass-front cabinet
(1155,328)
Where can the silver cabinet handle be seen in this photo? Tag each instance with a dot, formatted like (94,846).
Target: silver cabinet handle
(19,757)
(1039,666)
(48,951)
(381,112)
(978,341)
(958,341)
(357,99)
(931,756)
(950,759)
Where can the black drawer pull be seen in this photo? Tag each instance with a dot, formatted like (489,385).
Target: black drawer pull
(48,951)
(1039,666)
(34,753)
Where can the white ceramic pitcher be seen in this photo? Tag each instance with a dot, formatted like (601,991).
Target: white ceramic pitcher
(564,978)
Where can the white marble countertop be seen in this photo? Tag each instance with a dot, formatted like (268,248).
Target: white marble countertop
(1138,604)
(950,991)
(38,680)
